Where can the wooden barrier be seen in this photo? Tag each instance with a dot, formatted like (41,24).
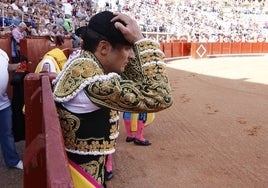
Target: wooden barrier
(265,47)
(167,49)
(199,50)
(228,48)
(35,48)
(186,49)
(236,48)
(45,160)
(246,48)
(214,48)
(5,44)
(176,49)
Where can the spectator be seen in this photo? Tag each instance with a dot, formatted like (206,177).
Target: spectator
(8,147)
(15,5)
(17,35)
(60,19)
(10,17)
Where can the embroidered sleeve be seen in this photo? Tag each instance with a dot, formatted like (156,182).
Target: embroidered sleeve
(144,86)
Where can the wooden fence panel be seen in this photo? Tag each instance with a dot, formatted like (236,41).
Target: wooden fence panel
(57,166)
(35,48)
(199,50)
(45,160)
(256,47)
(264,47)
(34,155)
(167,50)
(186,49)
(226,48)
(246,47)
(5,44)
(236,48)
(176,49)
(216,48)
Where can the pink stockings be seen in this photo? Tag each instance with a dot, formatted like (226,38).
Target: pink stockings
(139,133)
(128,127)
(109,165)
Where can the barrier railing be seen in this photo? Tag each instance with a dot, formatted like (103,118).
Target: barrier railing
(45,160)
(5,44)
(35,47)
(203,50)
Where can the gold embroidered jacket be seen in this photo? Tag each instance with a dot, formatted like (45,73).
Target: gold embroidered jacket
(143,87)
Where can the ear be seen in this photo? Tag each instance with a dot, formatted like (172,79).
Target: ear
(104,47)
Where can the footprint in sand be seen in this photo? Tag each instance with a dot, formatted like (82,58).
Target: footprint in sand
(184,98)
(241,120)
(211,110)
(253,131)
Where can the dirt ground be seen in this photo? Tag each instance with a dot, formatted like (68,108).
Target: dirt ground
(214,135)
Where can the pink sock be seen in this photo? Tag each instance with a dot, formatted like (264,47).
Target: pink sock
(109,165)
(139,133)
(128,127)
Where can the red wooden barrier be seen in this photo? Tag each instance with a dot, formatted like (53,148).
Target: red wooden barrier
(45,160)
(255,47)
(228,48)
(167,50)
(265,47)
(236,48)
(246,47)
(176,49)
(199,50)
(215,48)
(186,49)
(34,48)
(5,44)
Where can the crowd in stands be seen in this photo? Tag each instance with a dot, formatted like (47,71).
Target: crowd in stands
(199,20)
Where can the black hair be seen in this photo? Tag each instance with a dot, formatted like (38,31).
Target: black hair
(91,40)
(100,28)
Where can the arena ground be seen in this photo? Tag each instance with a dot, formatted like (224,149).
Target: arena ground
(214,135)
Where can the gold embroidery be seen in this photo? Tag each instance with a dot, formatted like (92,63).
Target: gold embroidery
(79,71)
(147,45)
(114,114)
(114,130)
(94,168)
(70,124)
(145,85)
